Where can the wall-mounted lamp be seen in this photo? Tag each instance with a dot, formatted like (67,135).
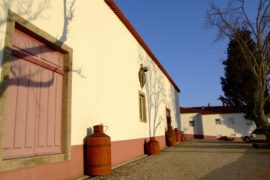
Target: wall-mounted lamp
(142,77)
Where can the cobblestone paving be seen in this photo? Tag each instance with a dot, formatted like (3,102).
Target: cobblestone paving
(199,160)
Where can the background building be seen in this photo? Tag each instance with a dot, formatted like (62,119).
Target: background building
(213,122)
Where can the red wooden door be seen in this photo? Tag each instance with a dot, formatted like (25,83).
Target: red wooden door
(33,105)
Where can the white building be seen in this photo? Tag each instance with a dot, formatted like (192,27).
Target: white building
(211,123)
(66,66)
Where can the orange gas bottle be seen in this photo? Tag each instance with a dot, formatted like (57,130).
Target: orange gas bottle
(177,134)
(98,153)
(153,146)
(170,137)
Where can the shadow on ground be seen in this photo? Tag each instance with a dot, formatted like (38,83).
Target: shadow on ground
(199,160)
(253,164)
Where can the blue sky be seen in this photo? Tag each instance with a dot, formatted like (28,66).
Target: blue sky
(177,34)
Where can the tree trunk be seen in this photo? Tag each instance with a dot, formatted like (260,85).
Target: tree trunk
(262,118)
(259,99)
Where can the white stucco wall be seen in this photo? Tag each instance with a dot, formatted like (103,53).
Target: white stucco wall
(238,128)
(107,54)
(185,126)
(206,124)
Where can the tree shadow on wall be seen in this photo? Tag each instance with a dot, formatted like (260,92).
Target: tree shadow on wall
(155,93)
(89,131)
(25,9)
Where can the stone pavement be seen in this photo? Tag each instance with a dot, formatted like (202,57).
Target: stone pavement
(198,160)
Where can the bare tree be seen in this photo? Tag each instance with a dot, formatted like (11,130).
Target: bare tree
(228,22)
(155,93)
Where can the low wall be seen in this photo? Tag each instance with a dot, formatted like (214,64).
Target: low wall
(209,138)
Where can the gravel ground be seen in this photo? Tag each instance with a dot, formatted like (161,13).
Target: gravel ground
(198,160)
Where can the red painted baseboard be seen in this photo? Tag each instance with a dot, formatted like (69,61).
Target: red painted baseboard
(70,169)
(127,150)
(122,151)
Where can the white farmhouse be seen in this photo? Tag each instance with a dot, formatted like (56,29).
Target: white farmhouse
(213,122)
(67,65)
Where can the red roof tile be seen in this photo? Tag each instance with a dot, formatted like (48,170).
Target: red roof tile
(211,110)
(136,35)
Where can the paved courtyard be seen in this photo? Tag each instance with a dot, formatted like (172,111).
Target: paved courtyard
(199,160)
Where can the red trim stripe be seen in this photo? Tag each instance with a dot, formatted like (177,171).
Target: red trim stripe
(211,110)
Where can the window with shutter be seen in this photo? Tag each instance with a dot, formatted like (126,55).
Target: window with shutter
(33,104)
(142,107)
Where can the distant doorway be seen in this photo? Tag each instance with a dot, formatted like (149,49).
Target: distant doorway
(168,118)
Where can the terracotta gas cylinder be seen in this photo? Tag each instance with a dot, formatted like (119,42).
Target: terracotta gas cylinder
(182,138)
(170,137)
(177,135)
(153,146)
(98,153)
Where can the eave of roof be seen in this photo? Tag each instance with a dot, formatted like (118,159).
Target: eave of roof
(211,110)
(136,35)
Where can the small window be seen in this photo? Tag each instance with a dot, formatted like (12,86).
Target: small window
(168,118)
(191,123)
(231,120)
(218,121)
(142,103)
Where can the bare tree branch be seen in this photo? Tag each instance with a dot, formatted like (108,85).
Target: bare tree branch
(229,22)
